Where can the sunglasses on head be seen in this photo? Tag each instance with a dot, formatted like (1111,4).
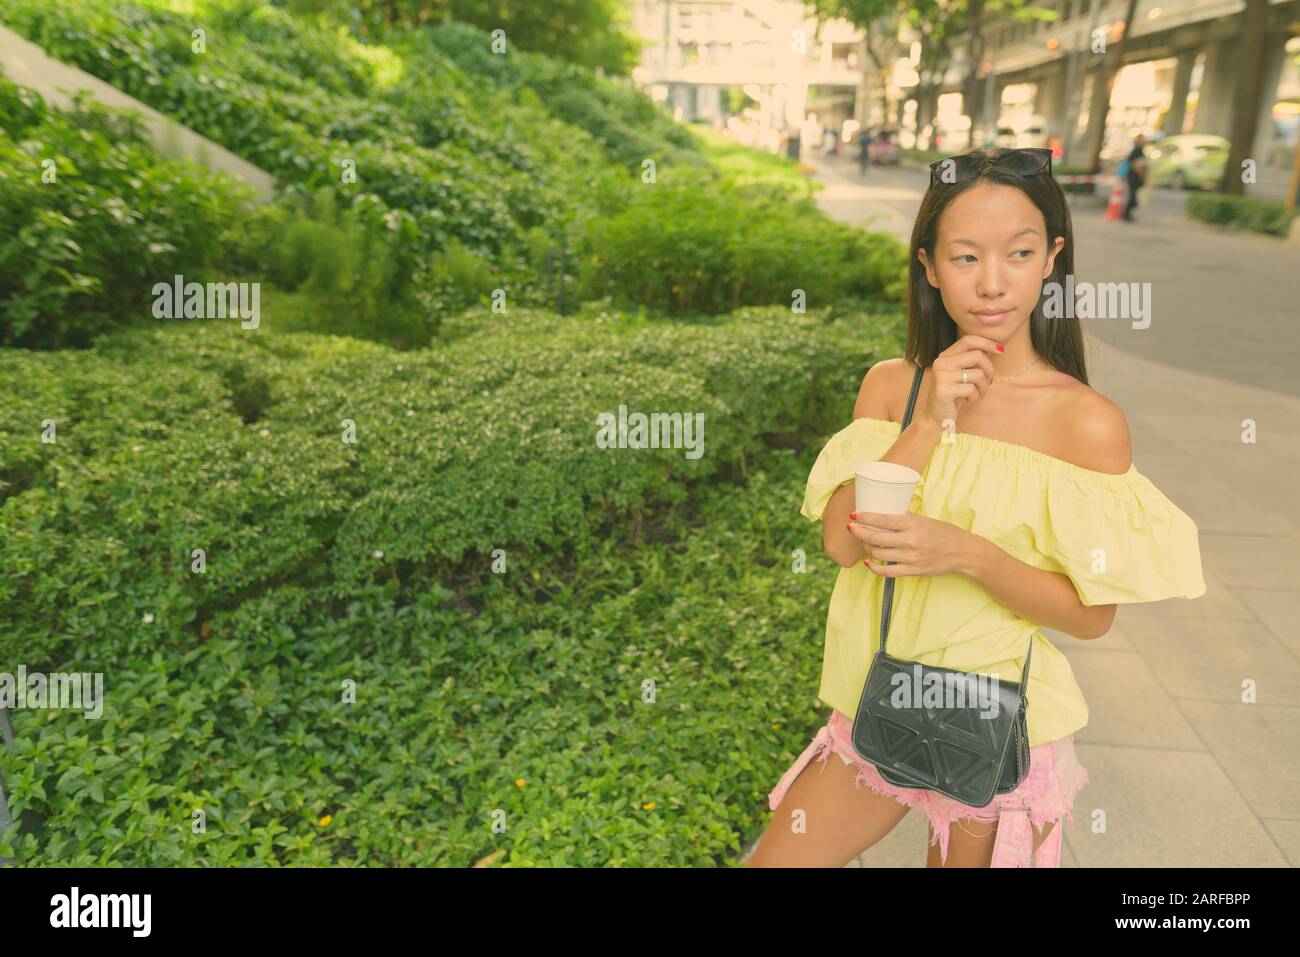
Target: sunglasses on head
(1027,161)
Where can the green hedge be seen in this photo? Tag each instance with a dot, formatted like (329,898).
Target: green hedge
(529,702)
(744,166)
(204,435)
(493,160)
(93,217)
(924,156)
(1247,212)
(328,561)
(92,233)
(625,121)
(297,100)
(683,247)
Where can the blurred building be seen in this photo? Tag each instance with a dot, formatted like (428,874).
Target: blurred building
(767,70)
(767,61)
(1180,69)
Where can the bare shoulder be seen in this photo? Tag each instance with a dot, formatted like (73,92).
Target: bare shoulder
(878,398)
(1098,431)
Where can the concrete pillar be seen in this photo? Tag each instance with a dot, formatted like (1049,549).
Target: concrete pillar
(767,110)
(860,109)
(778,106)
(999,88)
(1096,117)
(796,106)
(925,107)
(683,98)
(1218,86)
(1050,98)
(990,92)
(709,102)
(1265,141)
(1182,86)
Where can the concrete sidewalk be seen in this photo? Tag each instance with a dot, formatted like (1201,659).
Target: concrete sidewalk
(1182,772)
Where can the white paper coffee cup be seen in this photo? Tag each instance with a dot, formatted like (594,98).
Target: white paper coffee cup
(884,487)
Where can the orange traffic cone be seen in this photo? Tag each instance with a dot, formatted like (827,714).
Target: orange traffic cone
(1118,199)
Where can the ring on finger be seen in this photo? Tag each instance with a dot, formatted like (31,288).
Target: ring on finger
(883,554)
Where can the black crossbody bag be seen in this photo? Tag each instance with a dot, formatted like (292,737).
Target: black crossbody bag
(954,749)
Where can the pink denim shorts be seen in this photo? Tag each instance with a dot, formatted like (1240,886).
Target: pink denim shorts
(1046,794)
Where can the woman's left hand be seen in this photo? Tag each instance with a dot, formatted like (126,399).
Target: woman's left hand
(920,545)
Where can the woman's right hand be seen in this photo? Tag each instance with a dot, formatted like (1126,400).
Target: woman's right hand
(948,395)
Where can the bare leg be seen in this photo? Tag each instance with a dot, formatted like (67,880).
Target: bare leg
(825,819)
(970,843)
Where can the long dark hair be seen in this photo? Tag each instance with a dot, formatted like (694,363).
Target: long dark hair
(930,329)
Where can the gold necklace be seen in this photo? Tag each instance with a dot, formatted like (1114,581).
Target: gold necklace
(1025,369)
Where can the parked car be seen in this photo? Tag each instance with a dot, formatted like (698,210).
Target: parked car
(1027,131)
(1193,161)
(1034,134)
(883,148)
(952,136)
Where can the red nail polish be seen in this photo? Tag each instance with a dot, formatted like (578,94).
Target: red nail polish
(853,514)
(1001,348)
(849,527)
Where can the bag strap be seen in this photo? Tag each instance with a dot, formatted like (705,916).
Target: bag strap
(889,582)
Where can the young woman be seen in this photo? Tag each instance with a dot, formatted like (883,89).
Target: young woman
(1029,512)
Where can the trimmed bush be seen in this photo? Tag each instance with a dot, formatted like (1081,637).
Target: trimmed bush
(93,218)
(742,165)
(525,695)
(690,244)
(328,562)
(204,435)
(486,177)
(1246,212)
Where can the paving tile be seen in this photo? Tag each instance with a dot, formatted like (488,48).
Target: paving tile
(1256,745)
(1287,835)
(1219,603)
(904,846)
(1278,609)
(1146,442)
(1215,505)
(1207,660)
(1067,856)
(1257,561)
(1146,807)
(1123,695)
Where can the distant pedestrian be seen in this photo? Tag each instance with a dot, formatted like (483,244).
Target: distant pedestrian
(1136,173)
(864,152)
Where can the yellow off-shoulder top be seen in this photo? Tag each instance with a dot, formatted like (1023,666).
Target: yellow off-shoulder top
(1117,537)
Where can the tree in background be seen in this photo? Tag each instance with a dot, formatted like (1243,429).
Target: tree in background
(1105,78)
(587,32)
(937,22)
(1248,102)
(942,25)
(977,15)
(878,20)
